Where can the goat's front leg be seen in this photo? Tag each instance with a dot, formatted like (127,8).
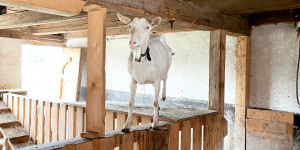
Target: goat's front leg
(127,125)
(155,103)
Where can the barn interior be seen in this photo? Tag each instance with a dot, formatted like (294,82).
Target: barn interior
(232,82)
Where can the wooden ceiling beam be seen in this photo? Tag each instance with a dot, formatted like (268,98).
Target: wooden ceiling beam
(180,11)
(55,7)
(31,18)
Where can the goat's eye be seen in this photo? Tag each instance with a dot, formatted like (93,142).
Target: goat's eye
(146,28)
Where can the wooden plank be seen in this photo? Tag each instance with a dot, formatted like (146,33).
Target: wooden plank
(95,98)
(279,116)
(22,110)
(173,136)
(207,129)
(54,121)
(121,118)
(109,121)
(197,134)
(136,120)
(107,143)
(33,124)
(5,99)
(186,135)
(10,103)
(242,89)
(217,70)
(62,121)
(79,77)
(85,145)
(16,106)
(71,122)
(266,126)
(146,119)
(57,7)
(47,125)
(40,128)
(96,143)
(79,121)
(27,120)
(126,141)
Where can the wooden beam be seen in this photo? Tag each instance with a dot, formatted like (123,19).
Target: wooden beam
(31,18)
(242,89)
(217,70)
(95,97)
(56,7)
(181,11)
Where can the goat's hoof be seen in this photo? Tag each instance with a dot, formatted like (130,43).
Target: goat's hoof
(126,130)
(163,98)
(154,128)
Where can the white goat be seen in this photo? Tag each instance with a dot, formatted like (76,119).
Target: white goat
(151,69)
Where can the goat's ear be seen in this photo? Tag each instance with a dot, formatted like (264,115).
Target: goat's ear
(155,22)
(123,18)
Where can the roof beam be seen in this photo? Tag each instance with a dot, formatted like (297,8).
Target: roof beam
(31,18)
(180,11)
(56,7)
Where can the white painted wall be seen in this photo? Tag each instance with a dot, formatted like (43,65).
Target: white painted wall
(274,56)
(188,75)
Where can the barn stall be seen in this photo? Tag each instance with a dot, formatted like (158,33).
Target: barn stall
(96,125)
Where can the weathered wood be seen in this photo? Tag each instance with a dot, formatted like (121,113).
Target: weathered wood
(27,120)
(41,118)
(79,77)
(217,70)
(54,122)
(121,118)
(62,121)
(47,125)
(109,121)
(287,117)
(136,120)
(33,124)
(57,7)
(15,106)
(242,89)
(22,110)
(95,99)
(107,143)
(146,120)
(197,134)
(79,121)
(71,122)
(173,136)
(86,145)
(186,135)
(207,135)
(126,141)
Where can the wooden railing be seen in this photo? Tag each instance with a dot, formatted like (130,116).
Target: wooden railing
(50,121)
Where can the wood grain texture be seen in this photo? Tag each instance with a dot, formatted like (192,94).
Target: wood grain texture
(109,121)
(279,116)
(121,118)
(47,125)
(173,136)
(27,120)
(79,121)
(197,134)
(62,121)
(33,127)
(41,118)
(71,122)
(54,122)
(186,135)
(95,98)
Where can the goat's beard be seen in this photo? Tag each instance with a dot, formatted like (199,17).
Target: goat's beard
(137,54)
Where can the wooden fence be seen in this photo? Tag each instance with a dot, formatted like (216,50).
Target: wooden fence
(51,121)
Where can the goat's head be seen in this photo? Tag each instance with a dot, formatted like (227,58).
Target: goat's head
(140,30)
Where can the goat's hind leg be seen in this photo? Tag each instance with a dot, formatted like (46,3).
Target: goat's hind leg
(156,86)
(128,122)
(163,93)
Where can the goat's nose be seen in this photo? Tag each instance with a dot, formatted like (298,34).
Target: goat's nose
(132,42)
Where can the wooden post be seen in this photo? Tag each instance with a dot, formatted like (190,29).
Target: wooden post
(217,70)
(95,98)
(242,89)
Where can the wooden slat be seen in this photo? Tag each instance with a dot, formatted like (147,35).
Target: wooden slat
(62,121)
(279,116)
(146,119)
(267,126)
(207,129)
(85,145)
(54,121)
(79,121)
(27,120)
(126,141)
(242,89)
(197,134)
(33,125)
(40,128)
(22,110)
(5,98)
(96,143)
(173,136)
(95,98)
(47,126)
(120,120)
(109,121)
(213,133)
(16,106)
(136,120)
(217,70)
(71,122)
(11,103)
(186,135)
(107,143)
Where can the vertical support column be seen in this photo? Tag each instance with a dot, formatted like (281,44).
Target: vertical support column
(242,90)
(217,70)
(95,98)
